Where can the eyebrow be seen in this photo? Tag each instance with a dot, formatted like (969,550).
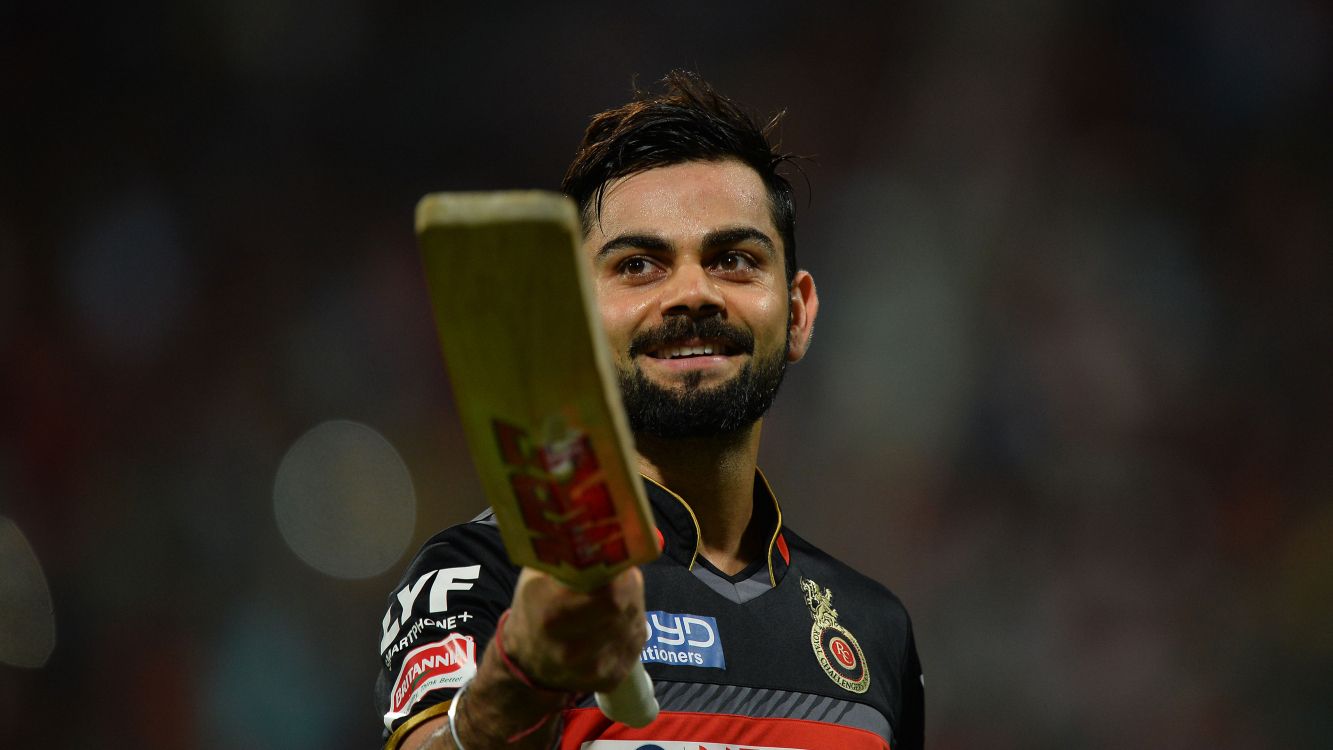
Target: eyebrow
(712,241)
(639,241)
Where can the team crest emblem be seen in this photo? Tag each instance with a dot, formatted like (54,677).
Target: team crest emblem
(835,647)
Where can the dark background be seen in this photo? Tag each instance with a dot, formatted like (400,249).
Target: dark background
(1069,394)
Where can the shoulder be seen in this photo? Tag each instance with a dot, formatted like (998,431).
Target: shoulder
(453,592)
(472,542)
(482,531)
(847,583)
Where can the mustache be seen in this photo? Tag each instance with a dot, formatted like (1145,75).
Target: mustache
(679,328)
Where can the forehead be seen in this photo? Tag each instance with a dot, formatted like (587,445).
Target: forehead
(684,200)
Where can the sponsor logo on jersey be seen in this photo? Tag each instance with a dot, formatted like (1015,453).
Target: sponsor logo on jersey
(421,625)
(447,664)
(687,640)
(669,745)
(835,647)
(442,582)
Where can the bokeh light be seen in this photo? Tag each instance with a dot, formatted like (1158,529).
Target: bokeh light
(344,500)
(27,617)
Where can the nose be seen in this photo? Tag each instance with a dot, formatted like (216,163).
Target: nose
(692,291)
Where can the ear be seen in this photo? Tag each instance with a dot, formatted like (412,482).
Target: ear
(804,305)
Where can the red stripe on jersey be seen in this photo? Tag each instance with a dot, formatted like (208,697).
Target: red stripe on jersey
(661,540)
(589,724)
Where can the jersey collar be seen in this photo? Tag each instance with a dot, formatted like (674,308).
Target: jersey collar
(678,527)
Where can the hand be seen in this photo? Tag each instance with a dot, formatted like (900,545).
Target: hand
(576,641)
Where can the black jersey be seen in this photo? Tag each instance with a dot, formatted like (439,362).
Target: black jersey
(797,651)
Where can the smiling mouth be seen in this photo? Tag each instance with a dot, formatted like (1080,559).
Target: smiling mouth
(692,348)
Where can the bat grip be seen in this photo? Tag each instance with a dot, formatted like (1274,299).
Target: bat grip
(633,702)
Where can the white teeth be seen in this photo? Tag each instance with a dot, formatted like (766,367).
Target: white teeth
(688,351)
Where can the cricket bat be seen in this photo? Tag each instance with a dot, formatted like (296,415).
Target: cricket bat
(537,395)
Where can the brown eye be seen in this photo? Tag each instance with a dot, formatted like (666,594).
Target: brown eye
(733,261)
(634,266)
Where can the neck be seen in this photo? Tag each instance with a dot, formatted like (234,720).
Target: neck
(715,475)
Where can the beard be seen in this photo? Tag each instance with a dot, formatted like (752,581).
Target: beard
(691,410)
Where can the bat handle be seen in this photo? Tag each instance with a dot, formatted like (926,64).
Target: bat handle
(633,702)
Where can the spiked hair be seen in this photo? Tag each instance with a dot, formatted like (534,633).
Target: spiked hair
(687,121)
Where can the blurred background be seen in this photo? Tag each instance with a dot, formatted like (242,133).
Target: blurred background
(1069,394)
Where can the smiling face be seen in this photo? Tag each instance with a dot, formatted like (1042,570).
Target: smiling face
(690,280)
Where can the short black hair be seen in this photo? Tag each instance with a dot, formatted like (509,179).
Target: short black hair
(688,121)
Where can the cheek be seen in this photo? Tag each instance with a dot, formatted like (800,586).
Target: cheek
(622,317)
(772,317)
(772,311)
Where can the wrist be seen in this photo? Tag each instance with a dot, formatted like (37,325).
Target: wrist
(503,706)
(514,668)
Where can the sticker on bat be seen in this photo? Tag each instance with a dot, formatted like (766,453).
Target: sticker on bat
(562,494)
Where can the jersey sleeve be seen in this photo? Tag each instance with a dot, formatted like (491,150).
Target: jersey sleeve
(438,622)
(912,730)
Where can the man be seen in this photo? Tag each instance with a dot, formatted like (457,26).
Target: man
(753,636)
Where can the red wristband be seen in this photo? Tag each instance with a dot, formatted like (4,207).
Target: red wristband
(513,668)
(523,677)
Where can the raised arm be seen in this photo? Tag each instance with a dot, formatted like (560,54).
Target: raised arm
(553,644)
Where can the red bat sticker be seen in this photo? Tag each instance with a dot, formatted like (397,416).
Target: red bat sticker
(564,500)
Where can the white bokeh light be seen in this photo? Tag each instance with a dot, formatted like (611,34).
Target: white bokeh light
(344,500)
(27,618)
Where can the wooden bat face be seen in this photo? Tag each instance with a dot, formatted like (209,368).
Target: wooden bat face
(534,383)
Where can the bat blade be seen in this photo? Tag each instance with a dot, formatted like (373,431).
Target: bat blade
(536,392)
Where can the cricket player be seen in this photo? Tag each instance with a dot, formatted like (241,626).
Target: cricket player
(753,637)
